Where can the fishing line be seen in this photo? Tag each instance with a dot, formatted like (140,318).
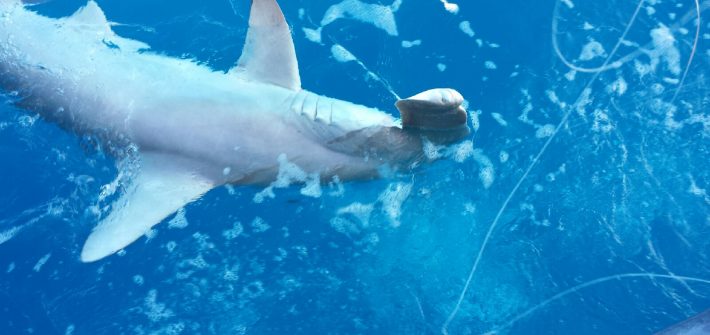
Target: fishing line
(563,121)
(364,67)
(692,52)
(597,281)
(378,78)
(623,60)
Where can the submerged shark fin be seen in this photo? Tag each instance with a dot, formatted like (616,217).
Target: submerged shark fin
(163,184)
(269,54)
(90,14)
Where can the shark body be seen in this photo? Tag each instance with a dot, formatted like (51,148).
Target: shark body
(194,128)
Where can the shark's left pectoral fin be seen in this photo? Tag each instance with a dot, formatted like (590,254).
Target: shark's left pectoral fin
(269,54)
(162,185)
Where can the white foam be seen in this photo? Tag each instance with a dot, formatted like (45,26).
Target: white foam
(569,3)
(672,81)
(641,68)
(301,13)
(524,116)
(237,229)
(288,174)
(665,49)
(657,89)
(179,221)
(40,263)
(338,190)
(232,273)
(172,329)
(313,35)
(552,95)
(358,210)
(490,65)
(545,131)
(258,225)
(409,44)
(465,26)
(571,75)
(475,120)
(601,123)
(153,310)
(380,16)
(441,67)
(341,54)
(584,100)
(487,176)
(312,186)
(450,7)
(431,150)
(392,199)
(469,208)
(9,234)
(170,246)
(344,226)
(619,86)
(462,151)
(591,50)
(503,156)
(150,234)
(486,172)
(695,190)
(670,122)
(499,118)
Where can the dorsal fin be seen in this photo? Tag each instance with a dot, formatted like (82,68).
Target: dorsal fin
(92,18)
(91,14)
(269,55)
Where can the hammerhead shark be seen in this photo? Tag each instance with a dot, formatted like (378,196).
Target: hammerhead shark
(194,128)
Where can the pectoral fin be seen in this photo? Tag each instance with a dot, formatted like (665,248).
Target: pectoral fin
(163,184)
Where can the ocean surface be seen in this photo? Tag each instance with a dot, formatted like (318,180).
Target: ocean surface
(579,204)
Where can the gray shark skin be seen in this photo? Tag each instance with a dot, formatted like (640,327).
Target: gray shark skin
(194,128)
(697,325)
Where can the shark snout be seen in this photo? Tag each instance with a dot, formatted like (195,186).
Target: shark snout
(435,109)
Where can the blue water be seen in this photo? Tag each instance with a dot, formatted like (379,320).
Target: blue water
(620,190)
